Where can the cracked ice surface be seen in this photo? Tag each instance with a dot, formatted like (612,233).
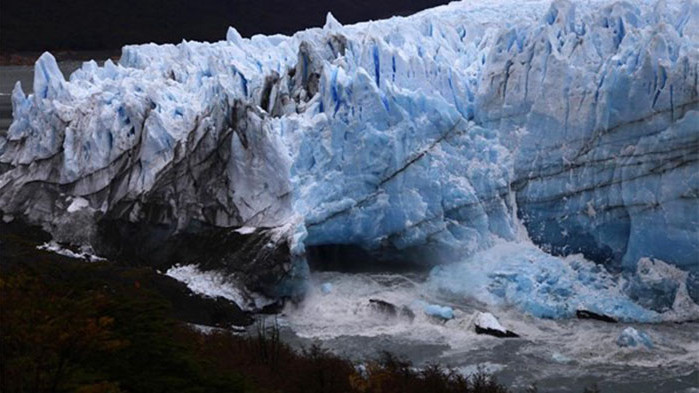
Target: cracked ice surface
(427,138)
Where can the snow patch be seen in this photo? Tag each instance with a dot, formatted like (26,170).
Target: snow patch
(215,284)
(246,230)
(86,253)
(78,204)
(207,283)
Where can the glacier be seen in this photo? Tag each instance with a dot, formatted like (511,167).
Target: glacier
(566,133)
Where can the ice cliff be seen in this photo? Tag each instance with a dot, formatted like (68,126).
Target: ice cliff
(424,139)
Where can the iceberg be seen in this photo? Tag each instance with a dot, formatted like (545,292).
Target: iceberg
(569,129)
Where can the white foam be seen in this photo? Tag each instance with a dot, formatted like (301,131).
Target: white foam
(487,367)
(571,343)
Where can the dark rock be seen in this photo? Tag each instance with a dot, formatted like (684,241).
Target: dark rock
(275,307)
(256,259)
(18,251)
(496,333)
(486,323)
(407,313)
(194,308)
(384,307)
(584,314)
(391,310)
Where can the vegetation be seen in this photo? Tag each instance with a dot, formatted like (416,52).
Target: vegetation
(72,326)
(69,332)
(68,327)
(272,364)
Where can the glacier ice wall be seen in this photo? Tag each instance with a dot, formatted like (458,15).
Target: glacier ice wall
(426,138)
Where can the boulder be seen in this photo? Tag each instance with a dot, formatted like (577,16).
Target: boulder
(391,310)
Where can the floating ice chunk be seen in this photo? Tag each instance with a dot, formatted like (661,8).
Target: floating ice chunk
(560,358)
(326,288)
(437,311)
(585,314)
(487,320)
(486,323)
(631,337)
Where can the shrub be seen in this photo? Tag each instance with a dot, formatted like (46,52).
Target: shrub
(67,325)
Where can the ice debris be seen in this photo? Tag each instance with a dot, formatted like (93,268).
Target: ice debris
(326,288)
(486,323)
(630,337)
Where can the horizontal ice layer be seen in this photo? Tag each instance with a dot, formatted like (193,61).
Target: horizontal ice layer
(424,138)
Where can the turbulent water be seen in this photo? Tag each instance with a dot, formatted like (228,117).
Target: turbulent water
(559,356)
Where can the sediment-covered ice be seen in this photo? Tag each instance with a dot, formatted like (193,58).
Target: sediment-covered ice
(424,139)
